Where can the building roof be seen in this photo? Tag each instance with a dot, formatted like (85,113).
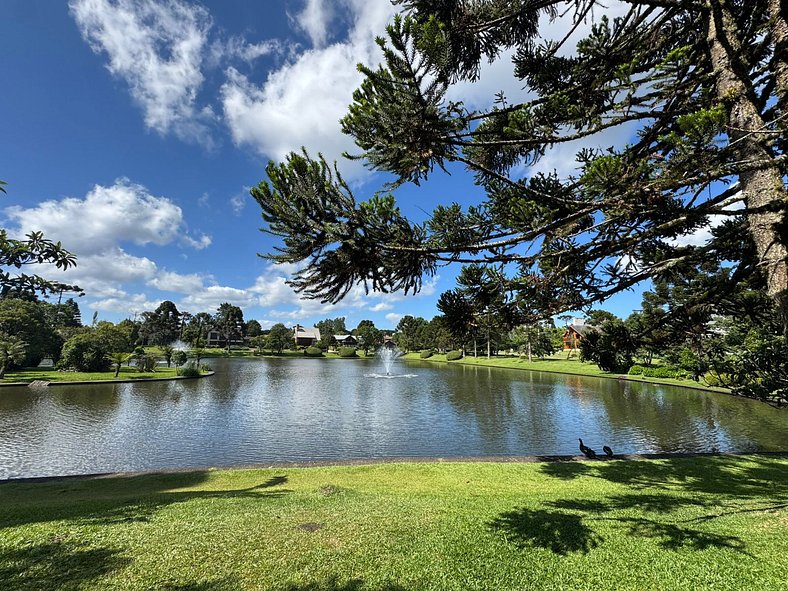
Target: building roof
(343,337)
(581,329)
(301,332)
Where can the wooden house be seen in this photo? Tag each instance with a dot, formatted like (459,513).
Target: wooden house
(573,335)
(306,337)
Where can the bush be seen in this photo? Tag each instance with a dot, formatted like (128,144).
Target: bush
(720,380)
(147,363)
(205,368)
(636,370)
(190,370)
(313,352)
(179,358)
(84,352)
(453,355)
(426,354)
(347,352)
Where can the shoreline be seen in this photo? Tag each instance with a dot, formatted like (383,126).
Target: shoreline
(405,460)
(110,381)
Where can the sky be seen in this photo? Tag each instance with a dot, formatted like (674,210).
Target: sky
(132,131)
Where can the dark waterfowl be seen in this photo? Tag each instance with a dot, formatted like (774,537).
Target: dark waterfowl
(608,451)
(587,451)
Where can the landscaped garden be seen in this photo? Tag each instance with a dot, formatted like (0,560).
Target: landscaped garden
(683,523)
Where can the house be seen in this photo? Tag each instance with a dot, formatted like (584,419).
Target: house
(388,342)
(306,337)
(346,340)
(573,335)
(214,338)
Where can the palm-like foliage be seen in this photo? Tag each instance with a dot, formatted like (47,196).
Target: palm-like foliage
(118,359)
(12,350)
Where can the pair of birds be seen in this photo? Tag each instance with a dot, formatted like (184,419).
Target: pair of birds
(590,453)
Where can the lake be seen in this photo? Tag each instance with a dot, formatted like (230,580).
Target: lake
(259,411)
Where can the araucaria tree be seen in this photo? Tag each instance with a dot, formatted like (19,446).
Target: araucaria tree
(698,87)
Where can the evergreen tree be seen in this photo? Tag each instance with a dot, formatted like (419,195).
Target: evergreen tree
(704,82)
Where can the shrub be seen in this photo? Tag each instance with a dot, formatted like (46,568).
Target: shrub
(721,380)
(426,354)
(179,358)
(84,352)
(453,355)
(205,368)
(147,363)
(636,370)
(190,370)
(313,352)
(347,352)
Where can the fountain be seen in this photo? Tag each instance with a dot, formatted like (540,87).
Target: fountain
(179,345)
(388,355)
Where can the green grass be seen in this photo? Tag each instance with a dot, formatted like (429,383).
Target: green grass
(559,364)
(687,523)
(29,374)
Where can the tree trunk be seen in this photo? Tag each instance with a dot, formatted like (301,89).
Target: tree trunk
(530,357)
(3,368)
(763,189)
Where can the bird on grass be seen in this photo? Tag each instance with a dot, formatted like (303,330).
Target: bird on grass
(587,451)
(608,451)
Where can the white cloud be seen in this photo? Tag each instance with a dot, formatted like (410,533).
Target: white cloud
(204,241)
(393,318)
(238,202)
(156,47)
(125,304)
(314,20)
(209,298)
(172,281)
(381,306)
(301,103)
(123,212)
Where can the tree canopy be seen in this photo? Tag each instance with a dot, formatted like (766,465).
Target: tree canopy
(701,84)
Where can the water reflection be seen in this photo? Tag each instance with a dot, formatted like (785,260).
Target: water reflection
(273,410)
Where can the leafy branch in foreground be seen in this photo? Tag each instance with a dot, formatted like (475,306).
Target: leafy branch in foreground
(33,250)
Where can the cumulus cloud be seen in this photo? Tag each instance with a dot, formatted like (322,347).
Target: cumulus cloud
(212,296)
(123,212)
(314,20)
(157,48)
(393,318)
(300,104)
(96,227)
(177,282)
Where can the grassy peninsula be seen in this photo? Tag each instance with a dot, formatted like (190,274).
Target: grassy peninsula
(681,524)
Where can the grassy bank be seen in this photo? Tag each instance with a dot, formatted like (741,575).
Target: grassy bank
(30,374)
(560,364)
(687,523)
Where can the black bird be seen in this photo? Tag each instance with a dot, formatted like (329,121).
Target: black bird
(589,453)
(608,451)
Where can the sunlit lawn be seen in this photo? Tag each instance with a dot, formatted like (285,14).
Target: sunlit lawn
(557,363)
(30,374)
(693,523)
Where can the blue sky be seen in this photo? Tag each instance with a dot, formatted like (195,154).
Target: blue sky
(132,131)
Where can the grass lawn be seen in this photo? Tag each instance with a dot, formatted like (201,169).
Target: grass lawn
(687,523)
(560,364)
(29,374)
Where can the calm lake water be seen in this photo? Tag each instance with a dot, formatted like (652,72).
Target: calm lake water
(255,411)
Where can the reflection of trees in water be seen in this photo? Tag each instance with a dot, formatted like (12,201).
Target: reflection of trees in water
(673,419)
(510,412)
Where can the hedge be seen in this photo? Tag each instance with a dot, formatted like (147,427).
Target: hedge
(426,354)
(453,355)
(347,352)
(664,371)
(313,352)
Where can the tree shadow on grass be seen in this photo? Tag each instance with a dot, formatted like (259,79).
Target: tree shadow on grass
(566,470)
(334,584)
(224,584)
(56,566)
(115,500)
(557,531)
